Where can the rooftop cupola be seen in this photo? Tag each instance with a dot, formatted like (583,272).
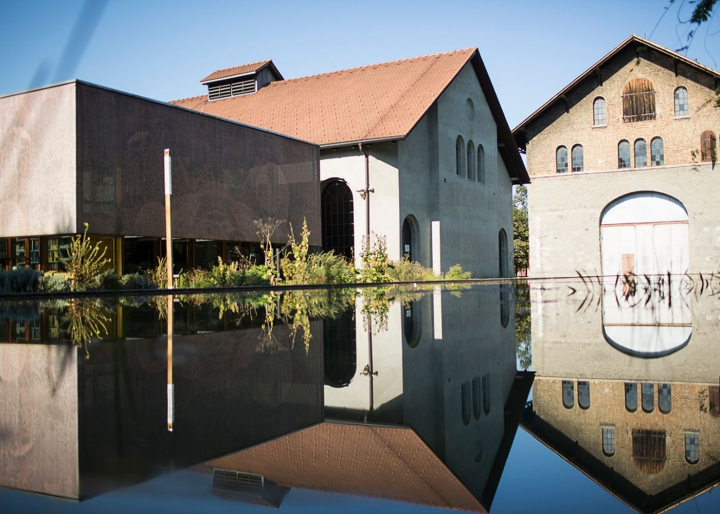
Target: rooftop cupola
(240,80)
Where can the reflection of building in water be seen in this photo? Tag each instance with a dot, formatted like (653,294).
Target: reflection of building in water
(76,427)
(433,427)
(646,428)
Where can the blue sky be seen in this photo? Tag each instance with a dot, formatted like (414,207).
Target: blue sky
(162,49)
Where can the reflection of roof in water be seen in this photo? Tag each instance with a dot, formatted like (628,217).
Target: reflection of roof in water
(379,461)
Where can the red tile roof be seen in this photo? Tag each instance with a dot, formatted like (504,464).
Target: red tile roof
(382,462)
(236,70)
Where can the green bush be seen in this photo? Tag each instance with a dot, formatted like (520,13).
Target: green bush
(456,273)
(375,259)
(409,271)
(328,268)
(136,281)
(55,283)
(20,280)
(108,280)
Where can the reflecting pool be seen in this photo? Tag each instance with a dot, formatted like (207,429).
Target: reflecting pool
(590,395)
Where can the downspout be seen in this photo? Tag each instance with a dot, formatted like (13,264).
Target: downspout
(365,195)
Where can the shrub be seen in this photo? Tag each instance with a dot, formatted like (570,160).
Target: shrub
(375,259)
(409,271)
(158,274)
(84,262)
(20,280)
(328,268)
(136,281)
(295,265)
(456,273)
(108,280)
(55,283)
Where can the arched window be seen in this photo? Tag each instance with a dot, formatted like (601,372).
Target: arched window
(640,153)
(631,397)
(459,154)
(568,394)
(708,145)
(465,393)
(470,160)
(692,447)
(608,441)
(665,398)
(648,397)
(577,158)
(583,394)
(477,399)
(481,164)
(623,154)
(340,349)
(599,118)
(681,102)
(503,253)
(561,160)
(486,394)
(638,101)
(338,233)
(657,152)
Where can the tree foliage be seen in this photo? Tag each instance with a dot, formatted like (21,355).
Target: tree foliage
(521,233)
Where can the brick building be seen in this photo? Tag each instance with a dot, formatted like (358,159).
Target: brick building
(622,160)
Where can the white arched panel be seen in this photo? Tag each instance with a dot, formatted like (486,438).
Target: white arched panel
(648,341)
(644,208)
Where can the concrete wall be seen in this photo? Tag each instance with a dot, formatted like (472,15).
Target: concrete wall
(37,162)
(225,175)
(565,213)
(471,213)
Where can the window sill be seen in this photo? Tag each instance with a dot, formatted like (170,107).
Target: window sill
(599,126)
(682,117)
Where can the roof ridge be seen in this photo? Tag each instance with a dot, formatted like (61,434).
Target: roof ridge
(407,91)
(239,65)
(407,59)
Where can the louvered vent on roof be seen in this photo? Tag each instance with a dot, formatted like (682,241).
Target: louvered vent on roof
(228,89)
(229,479)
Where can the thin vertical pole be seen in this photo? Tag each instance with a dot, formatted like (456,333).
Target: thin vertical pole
(170,384)
(168,228)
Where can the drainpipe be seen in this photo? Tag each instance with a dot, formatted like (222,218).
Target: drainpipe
(365,195)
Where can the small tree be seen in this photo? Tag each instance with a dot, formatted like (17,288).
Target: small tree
(265,230)
(375,260)
(84,262)
(521,232)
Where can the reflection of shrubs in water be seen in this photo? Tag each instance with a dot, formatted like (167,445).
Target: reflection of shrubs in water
(87,318)
(523,333)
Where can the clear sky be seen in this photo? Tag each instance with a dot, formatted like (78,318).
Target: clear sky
(162,49)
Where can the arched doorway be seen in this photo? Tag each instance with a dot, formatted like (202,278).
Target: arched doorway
(337,218)
(643,242)
(409,239)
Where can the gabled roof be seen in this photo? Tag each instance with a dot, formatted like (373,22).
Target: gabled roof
(235,71)
(370,103)
(592,70)
(392,463)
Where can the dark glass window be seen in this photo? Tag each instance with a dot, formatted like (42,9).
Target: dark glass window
(207,253)
(665,398)
(568,394)
(692,447)
(561,160)
(631,397)
(481,164)
(583,394)
(657,152)
(708,144)
(477,399)
(577,158)
(624,154)
(465,393)
(608,441)
(640,153)
(340,349)
(58,249)
(338,233)
(139,252)
(648,397)
(459,153)
(638,101)
(470,160)
(599,117)
(407,239)
(20,253)
(681,102)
